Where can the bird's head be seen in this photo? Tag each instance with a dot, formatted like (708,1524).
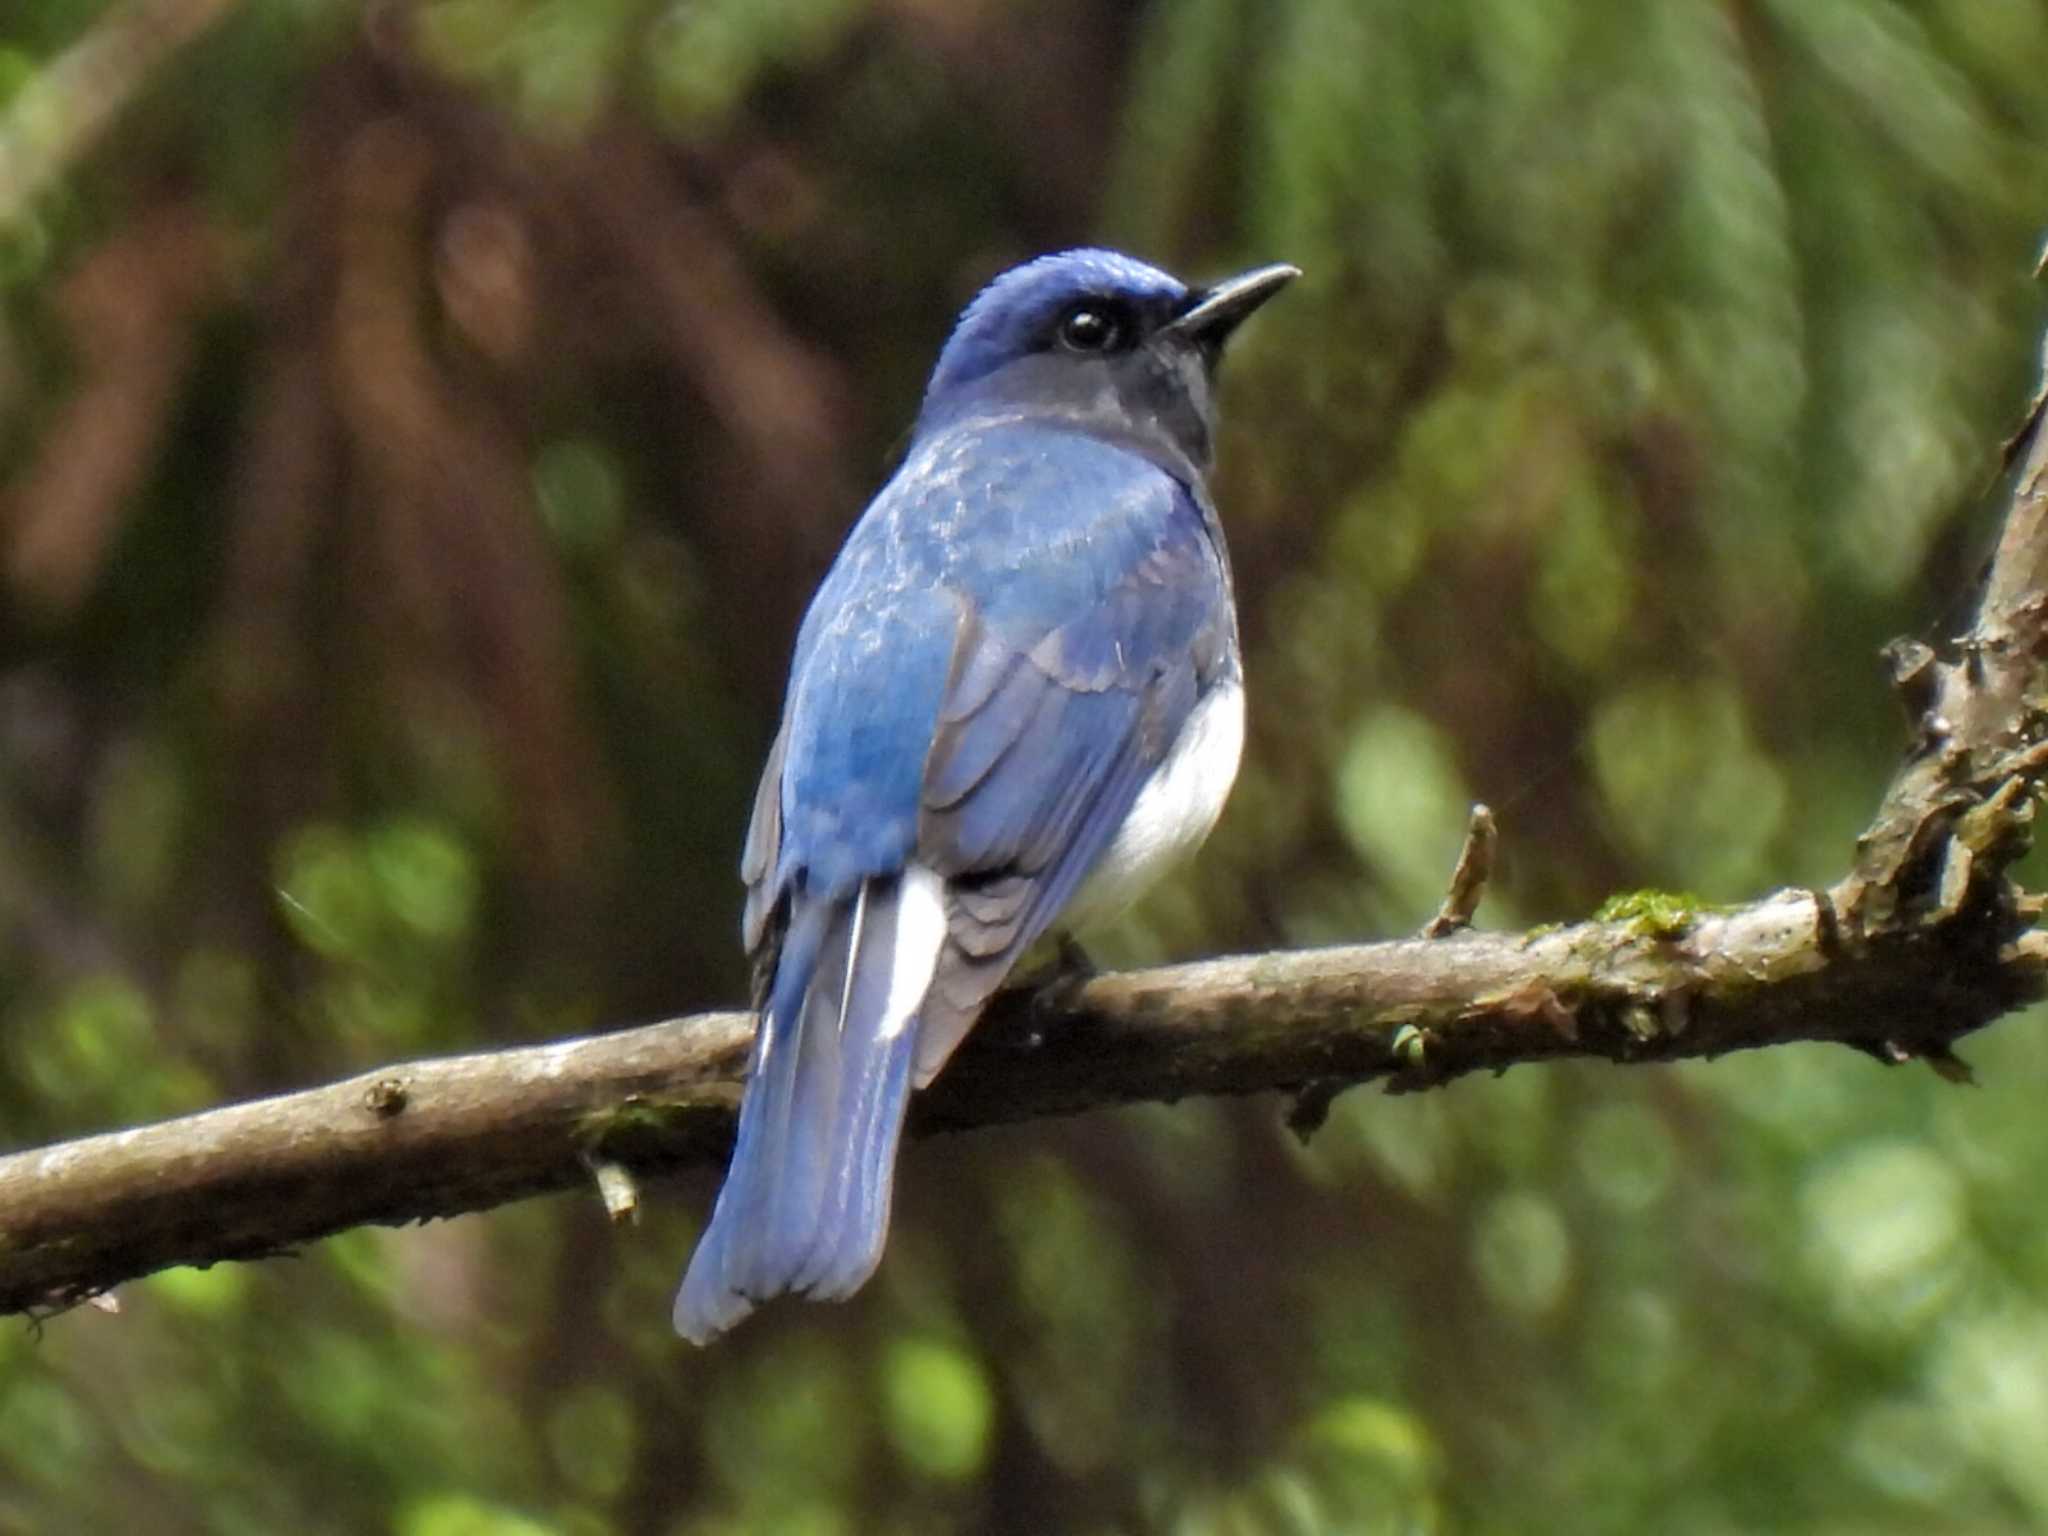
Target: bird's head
(1120,348)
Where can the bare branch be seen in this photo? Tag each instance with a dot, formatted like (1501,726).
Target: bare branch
(1979,728)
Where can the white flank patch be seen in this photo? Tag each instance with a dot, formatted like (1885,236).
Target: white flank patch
(1173,813)
(920,933)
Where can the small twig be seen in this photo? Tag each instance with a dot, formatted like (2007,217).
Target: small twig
(1915,677)
(1310,1108)
(619,1191)
(1468,879)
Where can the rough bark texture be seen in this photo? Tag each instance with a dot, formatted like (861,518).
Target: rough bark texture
(1925,940)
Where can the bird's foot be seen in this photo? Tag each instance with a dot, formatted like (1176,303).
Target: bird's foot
(1047,990)
(1071,963)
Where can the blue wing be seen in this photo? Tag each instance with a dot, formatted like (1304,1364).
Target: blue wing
(1005,651)
(1046,738)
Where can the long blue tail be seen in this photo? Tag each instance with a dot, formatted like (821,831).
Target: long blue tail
(805,1205)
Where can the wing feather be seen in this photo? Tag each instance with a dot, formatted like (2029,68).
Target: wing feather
(763,848)
(1031,775)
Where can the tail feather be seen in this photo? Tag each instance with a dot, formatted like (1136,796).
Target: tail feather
(842,1065)
(715,1292)
(855,1221)
(805,1206)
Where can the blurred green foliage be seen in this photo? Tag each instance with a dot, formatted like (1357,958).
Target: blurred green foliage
(420,427)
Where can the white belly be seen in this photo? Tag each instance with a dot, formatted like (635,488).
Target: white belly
(1173,812)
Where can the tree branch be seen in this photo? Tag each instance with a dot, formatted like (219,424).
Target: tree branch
(1925,940)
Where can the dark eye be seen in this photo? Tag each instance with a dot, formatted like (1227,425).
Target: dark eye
(1091,328)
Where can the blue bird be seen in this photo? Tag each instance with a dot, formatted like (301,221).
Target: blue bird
(1015,700)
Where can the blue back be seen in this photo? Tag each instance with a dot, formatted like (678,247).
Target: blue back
(1025,531)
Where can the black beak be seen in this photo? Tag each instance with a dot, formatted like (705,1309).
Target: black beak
(1214,312)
